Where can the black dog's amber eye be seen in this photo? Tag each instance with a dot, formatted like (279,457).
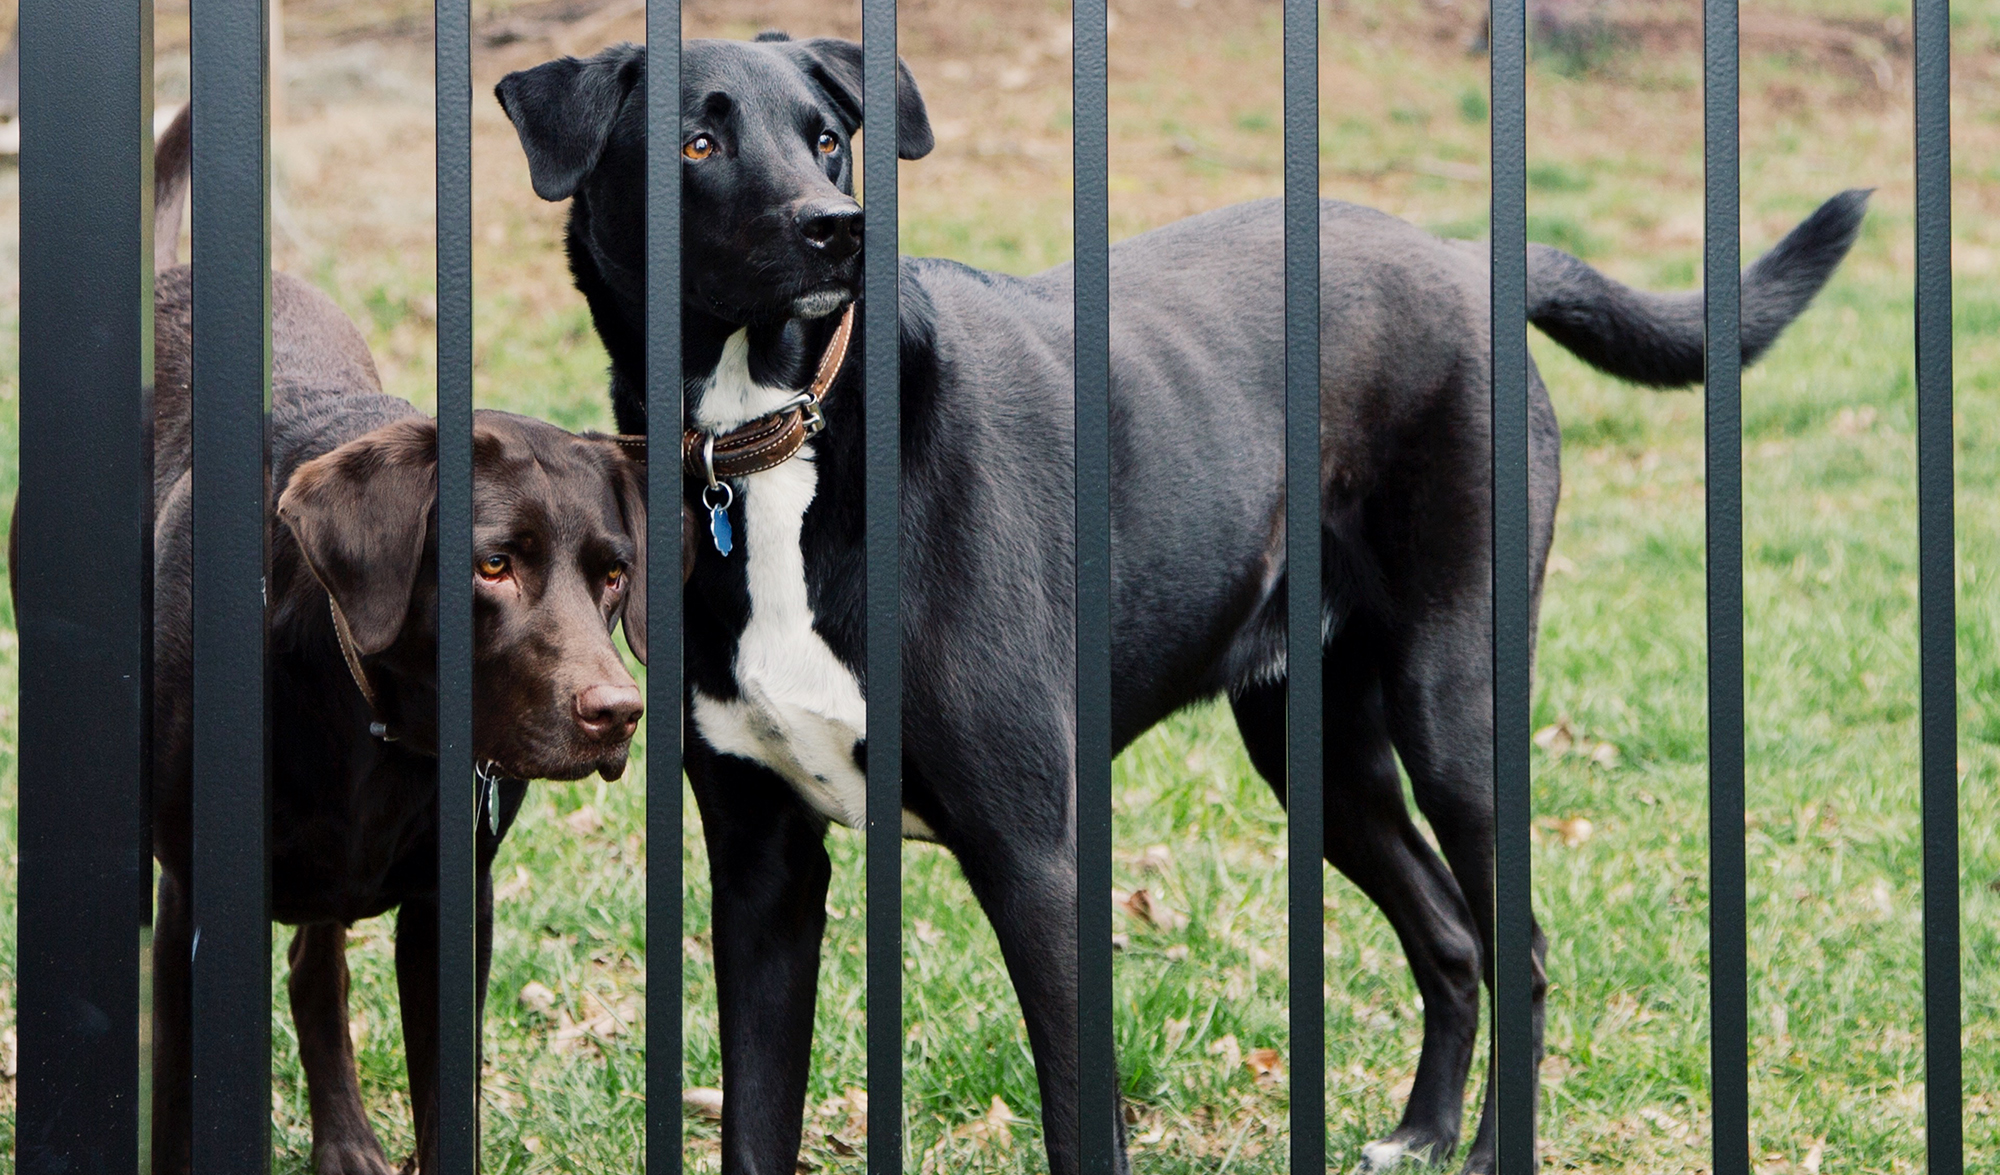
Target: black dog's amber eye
(828,142)
(615,580)
(699,147)
(494,567)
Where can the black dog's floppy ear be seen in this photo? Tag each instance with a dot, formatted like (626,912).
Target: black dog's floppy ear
(836,65)
(630,474)
(361,515)
(563,111)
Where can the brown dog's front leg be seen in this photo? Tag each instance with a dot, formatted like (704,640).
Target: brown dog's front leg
(417,990)
(343,1144)
(173,1064)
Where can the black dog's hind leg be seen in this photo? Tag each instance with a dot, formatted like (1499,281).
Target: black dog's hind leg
(1371,838)
(1441,713)
(769,870)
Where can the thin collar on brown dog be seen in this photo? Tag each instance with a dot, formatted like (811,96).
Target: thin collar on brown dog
(771,439)
(352,656)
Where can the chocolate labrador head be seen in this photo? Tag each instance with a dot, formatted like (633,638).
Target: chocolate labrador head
(558,560)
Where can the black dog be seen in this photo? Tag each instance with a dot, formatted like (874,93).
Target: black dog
(775,631)
(559,528)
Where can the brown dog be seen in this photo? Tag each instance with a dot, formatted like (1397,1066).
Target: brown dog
(559,559)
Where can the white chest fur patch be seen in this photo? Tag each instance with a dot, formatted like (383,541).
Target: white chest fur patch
(798,710)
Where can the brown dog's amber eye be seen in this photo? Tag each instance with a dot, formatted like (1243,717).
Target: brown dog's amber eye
(828,142)
(615,580)
(494,567)
(699,147)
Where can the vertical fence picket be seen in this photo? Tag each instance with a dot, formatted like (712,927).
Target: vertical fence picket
(882,408)
(1728,957)
(1944,1090)
(231,382)
(663,588)
(1097,1071)
(458,794)
(1513,975)
(1304,776)
(84,861)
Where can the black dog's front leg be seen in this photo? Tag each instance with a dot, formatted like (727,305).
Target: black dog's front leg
(769,869)
(417,992)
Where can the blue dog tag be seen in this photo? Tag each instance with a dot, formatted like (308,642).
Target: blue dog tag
(718,528)
(718,515)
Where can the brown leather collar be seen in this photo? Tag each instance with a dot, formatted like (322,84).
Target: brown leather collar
(771,439)
(768,441)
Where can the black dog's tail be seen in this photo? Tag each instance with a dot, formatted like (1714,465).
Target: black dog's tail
(172,156)
(1656,339)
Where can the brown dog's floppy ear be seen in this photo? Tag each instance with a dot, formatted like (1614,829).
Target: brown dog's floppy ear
(563,111)
(630,473)
(361,515)
(836,65)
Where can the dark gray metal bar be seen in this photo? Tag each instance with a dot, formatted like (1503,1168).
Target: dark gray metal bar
(1304,768)
(85,894)
(458,793)
(883,411)
(1944,1090)
(1513,963)
(231,975)
(663,589)
(1097,1066)
(1728,957)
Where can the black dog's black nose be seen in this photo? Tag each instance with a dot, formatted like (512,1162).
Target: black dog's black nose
(834,227)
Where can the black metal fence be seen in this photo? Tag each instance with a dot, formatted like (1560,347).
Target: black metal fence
(86,344)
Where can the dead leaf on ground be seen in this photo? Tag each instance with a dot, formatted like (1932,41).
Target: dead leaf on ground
(584,820)
(925,933)
(994,1128)
(1564,737)
(1149,910)
(537,998)
(1267,1066)
(1572,831)
(703,1101)
(514,886)
(1815,1155)
(1230,1052)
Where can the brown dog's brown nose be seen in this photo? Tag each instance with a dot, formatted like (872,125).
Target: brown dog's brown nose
(609,712)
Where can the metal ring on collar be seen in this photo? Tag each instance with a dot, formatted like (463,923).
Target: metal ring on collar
(809,411)
(728,496)
(708,463)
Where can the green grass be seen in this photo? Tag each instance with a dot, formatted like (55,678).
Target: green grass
(1620,858)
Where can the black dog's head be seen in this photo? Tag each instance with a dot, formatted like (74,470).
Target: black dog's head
(559,532)
(770,227)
